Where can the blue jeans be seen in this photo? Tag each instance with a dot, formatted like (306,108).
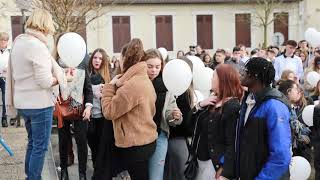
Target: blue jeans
(38,123)
(157,160)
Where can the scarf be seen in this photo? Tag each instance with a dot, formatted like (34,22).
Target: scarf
(161,92)
(74,89)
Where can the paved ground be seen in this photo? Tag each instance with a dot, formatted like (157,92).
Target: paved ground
(12,168)
(72,170)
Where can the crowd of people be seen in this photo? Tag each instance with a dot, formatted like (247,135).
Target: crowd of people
(248,128)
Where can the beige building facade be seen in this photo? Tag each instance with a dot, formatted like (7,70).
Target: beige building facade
(142,22)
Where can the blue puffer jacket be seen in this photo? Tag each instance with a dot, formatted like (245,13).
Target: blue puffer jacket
(263,142)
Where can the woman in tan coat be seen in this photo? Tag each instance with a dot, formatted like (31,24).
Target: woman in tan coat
(129,101)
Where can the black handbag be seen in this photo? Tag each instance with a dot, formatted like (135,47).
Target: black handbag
(192,168)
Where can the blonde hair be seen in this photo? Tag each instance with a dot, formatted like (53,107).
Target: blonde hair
(41,20)
(4,36)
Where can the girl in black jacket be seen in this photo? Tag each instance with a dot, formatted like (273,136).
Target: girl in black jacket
(215,126)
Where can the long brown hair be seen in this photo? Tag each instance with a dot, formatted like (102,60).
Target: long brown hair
(229,82)
(133,54)
(104,67)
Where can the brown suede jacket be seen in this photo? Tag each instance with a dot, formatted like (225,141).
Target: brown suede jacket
(131,107)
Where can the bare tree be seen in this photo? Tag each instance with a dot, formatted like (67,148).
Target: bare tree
(264,16)
(74,15)
(2,5)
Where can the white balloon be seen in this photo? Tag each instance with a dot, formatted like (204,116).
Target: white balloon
(315,41)
(204,81)
(307,115)
(198,96)
(300,168)
(313,78)
(163,52)
(309,34)
(72,49)
(177,76)
(197,69)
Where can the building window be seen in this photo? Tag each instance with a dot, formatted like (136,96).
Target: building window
(281,22)
(204,31)
(164,35)
(243,29)
(16,26)
(121,32)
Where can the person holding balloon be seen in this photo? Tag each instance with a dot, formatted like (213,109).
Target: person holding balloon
(129,101)
(167,113)
(31,75)
(263,135)
(79,90)
(216,118)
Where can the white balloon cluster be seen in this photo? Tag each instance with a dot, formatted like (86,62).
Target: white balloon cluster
(177,77)
(202,76)
(312,36)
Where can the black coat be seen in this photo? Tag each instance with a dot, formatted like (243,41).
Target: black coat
(217,130)
(87,90)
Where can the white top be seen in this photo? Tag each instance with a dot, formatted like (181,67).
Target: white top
(31,65)
(250,101)
(293,63)
(4,57)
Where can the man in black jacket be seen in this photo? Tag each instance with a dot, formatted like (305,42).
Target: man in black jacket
(263,137)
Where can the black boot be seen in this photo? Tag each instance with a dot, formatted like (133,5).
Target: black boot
(4,122)
(12,121)
(18,122)
(64,174)
(82,176)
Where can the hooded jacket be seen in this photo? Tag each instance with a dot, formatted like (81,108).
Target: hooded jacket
(263,142)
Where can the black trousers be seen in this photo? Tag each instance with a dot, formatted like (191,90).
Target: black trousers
(80,134)
(316,146)
(3,92)
(135,160)
(105,161)
(138,169)
(95,128)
